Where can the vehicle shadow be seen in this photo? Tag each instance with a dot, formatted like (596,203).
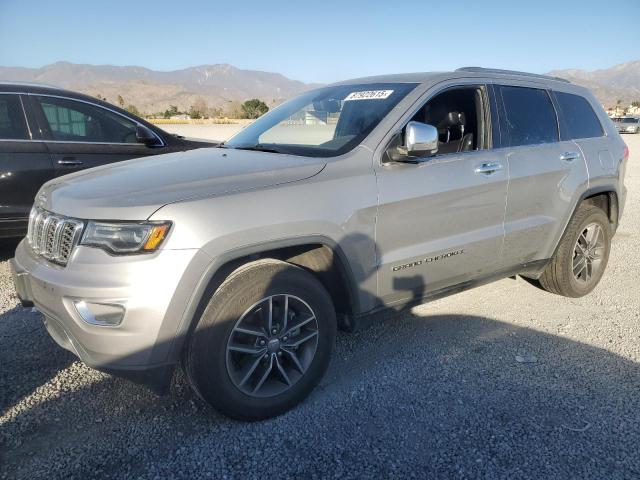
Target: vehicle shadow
(429,396)
(8,248)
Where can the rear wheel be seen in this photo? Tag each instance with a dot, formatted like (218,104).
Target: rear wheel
(263,342)
(582,256)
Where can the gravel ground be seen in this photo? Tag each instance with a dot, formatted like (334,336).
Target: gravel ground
(504,381)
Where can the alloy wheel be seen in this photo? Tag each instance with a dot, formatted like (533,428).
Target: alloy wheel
(272,345)
(588,253)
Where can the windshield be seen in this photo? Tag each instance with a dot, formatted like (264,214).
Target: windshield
(629,120)
(322,123)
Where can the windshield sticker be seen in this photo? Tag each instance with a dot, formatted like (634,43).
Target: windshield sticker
(369,95)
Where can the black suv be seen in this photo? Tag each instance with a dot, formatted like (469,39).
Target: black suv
(46,132)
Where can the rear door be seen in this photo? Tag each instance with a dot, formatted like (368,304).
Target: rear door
(545,173)
(80,134)
(24,165)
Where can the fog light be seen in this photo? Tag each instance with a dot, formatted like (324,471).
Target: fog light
(101,314)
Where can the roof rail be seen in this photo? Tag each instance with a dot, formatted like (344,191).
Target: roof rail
(510,72)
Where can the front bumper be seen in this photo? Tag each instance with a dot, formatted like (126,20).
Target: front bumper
(154,289)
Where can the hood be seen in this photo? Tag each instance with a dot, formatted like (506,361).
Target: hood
(134,189)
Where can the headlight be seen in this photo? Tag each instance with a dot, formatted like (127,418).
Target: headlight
(121,238)
(630,129)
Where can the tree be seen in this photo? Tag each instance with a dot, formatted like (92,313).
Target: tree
(635,103)
(194,113)
(233,109)
(198,109)
(214,112)
(120,101)
(132,109)
(171,111)
(254,108)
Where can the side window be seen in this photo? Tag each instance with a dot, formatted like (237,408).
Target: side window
(458,114)
(12,123)
(529,117)
(580,121)
(73,121)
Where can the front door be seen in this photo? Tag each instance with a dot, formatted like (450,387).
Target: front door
(24,166)
(440,220)
(83,135)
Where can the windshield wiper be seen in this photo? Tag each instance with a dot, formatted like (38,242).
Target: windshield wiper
(259,148)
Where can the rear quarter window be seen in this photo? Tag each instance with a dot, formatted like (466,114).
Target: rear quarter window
(529,117)
(578,118)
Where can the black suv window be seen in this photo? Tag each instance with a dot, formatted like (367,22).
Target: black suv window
(12,123)
(529,117)
(74,121)
(580,121)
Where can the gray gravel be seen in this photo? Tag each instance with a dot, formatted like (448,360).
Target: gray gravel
(504,381)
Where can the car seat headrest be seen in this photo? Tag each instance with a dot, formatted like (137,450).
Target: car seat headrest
(452,119)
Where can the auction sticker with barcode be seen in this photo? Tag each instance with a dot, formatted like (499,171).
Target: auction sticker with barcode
(369,95)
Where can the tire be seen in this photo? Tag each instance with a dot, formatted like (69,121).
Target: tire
(224,346)
(558,276)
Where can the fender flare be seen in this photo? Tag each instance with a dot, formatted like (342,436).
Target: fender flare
(590,192)
(215,273)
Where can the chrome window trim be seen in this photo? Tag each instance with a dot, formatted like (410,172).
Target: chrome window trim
(74,141)
(162,143)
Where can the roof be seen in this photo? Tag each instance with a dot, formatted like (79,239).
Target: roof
(6,83)
(28,87)
(468,72)
(395,78)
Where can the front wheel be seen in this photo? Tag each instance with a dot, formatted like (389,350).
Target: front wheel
(263,342)
(582,255)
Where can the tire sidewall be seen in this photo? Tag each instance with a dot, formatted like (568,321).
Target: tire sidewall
(207,347)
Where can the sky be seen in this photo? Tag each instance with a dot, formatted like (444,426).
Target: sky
(326,40)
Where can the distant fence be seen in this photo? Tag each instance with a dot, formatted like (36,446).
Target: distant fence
(199,121)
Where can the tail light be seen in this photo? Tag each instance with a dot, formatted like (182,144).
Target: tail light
(625,153)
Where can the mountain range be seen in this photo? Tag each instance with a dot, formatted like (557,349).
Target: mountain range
(620,82)
(153,91)
(224,86)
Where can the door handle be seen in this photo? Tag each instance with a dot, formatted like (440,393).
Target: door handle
(69,161)
(569,156)
(489,168)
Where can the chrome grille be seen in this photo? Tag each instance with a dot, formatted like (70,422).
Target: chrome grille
(53,236)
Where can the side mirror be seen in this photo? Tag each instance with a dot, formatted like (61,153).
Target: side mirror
(146,136)
(421,140)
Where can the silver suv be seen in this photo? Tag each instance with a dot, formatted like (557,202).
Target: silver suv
(240,262)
